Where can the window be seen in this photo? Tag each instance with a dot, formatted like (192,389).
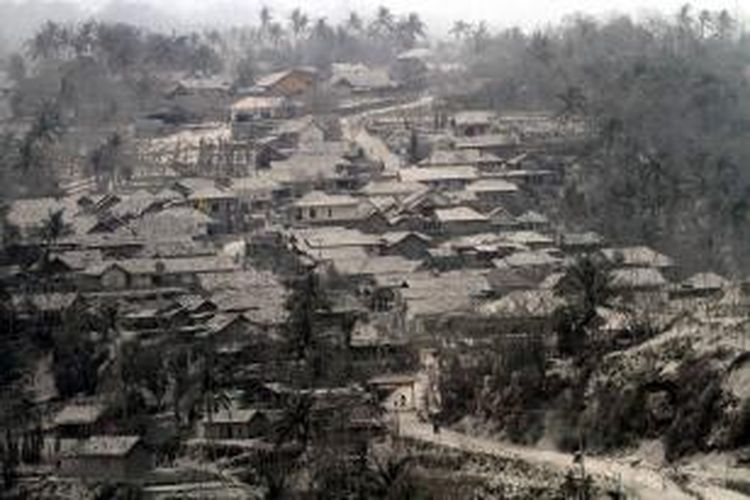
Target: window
(330,213)
(313,213)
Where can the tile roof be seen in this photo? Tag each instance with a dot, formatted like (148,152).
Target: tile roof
(524,304)
(321,199)
(433,294)
(638,256)
(705,281)
(492,186)
(210,264)
(459,214)
(529,259)
(459,157)
(106,446)
(78,414)
(435,174)
(637,277)
(392,188)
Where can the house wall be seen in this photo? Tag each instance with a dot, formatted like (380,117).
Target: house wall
(125,468)
(326,213)
(236,430)
(114,278)
(402,399)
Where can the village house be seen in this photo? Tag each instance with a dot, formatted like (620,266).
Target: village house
(412,67)
(304,172)
(430,297)
(398,393)
(299,133)
(317,207)
(450,178)
(44,313)
(493,192)
(525,312)
(258,296)
(153,273)
(288,83)
(235,423)
(500,144)
(254,116)
(395,189)
(472,123)
(533,264)
(533,221)
(113,458)
(460,220)
(360,80)
(580,243)
(79,420)
(637,257)
(205,99)
(259,193)
(485,162)
(408,244)
(700,285)
(633,282)
(215,200)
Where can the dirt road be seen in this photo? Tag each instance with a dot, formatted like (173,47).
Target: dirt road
(638,481)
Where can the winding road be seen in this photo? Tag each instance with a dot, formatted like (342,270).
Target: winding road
(638,481)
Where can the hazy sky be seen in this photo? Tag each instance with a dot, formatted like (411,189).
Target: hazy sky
(499,13)
(439,14)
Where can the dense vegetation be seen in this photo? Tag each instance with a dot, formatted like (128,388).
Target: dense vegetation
(668,102)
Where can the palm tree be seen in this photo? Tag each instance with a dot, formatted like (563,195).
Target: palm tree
(390,479)
(586,286)
(460,29)
(574,102)
(275,34)
(298,21)
(704,22)
(724,25)
(410,29)
(296,421)
(49,41)
(53,228)
(383,25)
(480,35)
(265,19)
(322,31)
(354,23)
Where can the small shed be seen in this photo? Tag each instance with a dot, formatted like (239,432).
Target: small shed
(235,423)
(113,458)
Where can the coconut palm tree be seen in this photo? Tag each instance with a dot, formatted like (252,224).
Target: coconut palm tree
(410,29)
(460,29)
(275,34)
(321,30)
(53,228)
(480,35)
(354,23)
(296,421)
(298,22)
(586,286)
(383,25)
(265,20)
